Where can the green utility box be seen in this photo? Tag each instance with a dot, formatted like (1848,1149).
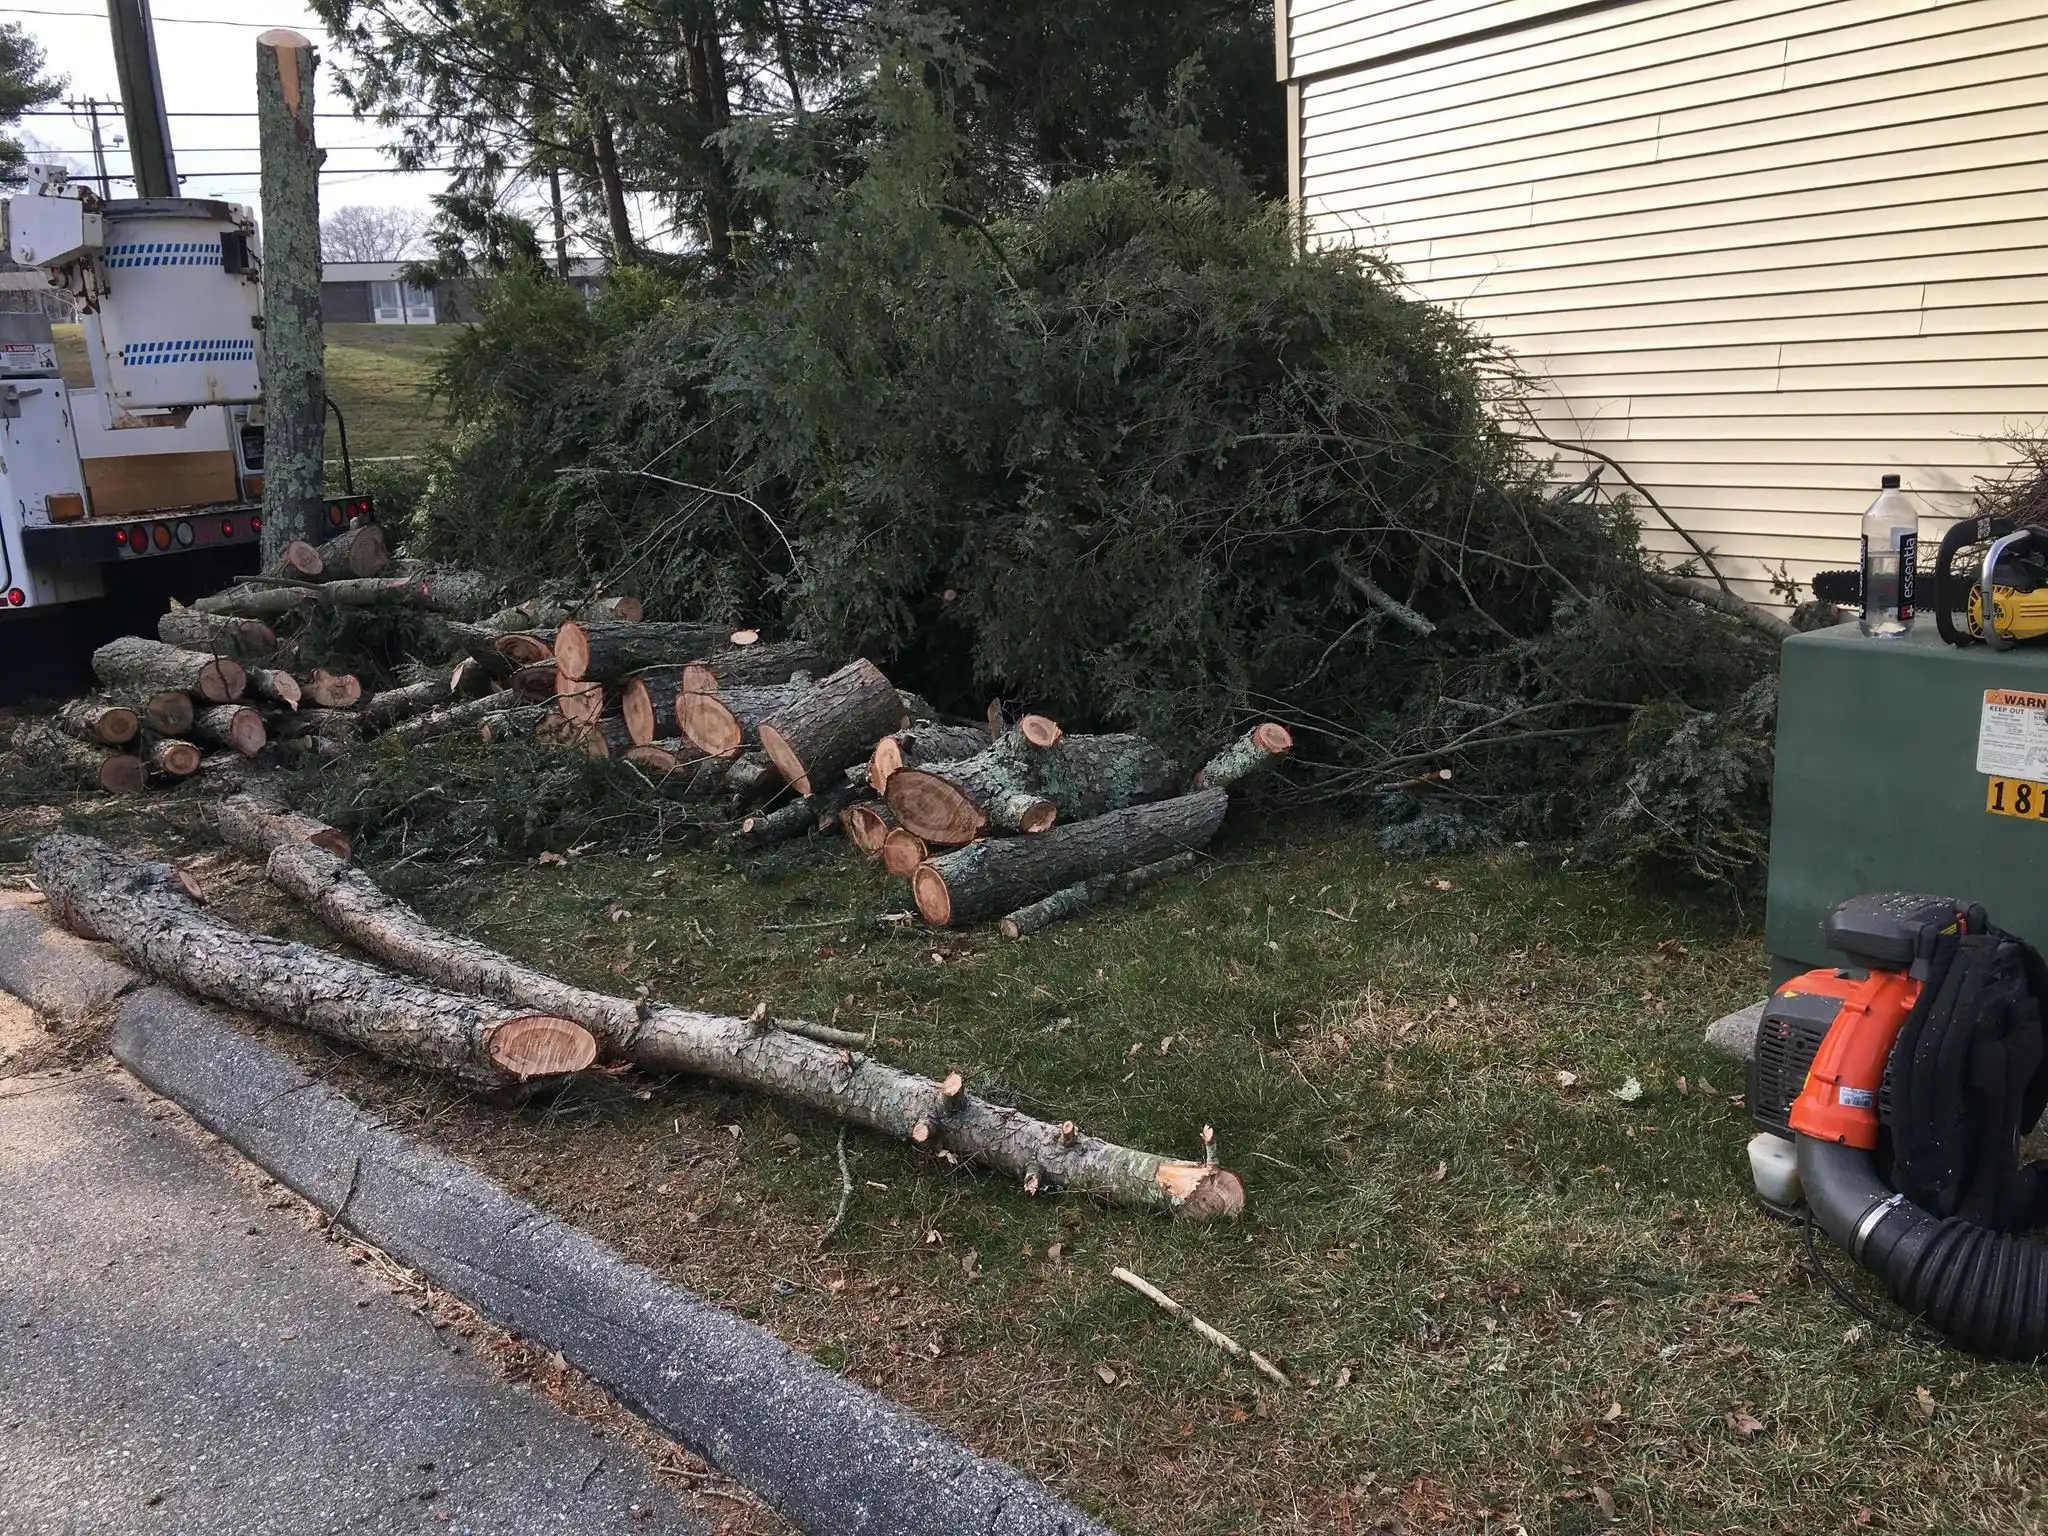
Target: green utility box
(1906,765)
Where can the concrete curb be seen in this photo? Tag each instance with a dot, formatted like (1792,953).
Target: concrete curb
(833,1458)
(66,980)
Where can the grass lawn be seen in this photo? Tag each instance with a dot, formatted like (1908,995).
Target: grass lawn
(379,375)
(1512,1294)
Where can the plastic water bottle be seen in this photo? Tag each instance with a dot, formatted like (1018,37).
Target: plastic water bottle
(1891,554)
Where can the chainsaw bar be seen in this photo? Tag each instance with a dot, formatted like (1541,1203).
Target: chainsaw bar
(1845,588)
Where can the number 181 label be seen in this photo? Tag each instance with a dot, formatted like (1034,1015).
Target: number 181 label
(2016,797)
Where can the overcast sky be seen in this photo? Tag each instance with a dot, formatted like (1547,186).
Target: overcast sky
(206,50)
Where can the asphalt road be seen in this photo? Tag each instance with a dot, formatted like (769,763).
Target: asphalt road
(177,1357)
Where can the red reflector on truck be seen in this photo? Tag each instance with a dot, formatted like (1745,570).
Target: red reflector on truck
(227,528)
(256,525)
(16,597)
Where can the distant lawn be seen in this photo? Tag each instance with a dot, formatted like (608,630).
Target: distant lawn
(380,376)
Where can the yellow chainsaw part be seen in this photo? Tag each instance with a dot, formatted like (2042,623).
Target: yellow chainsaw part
(2018,615)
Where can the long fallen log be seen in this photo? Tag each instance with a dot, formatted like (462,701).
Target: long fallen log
(258,823)
(545,613)
(917,745)
(383,710)
(76,762)
(604,651)
(756,1054)
(722,723)
(131,663)
(98,722)
(1252,753)
(1080,896)
(150,915)
(832,726)
(996,876)
(753,666)
(217,635)
(452,593)
(234,726)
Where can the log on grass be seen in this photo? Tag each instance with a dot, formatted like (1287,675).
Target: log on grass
(334,690)
(545,613)
(755,1054)
(903,852)
(1252,753)
(217,635)
(1083,894)
(383,710)
(150,915)
(606,650)
(867,824)
(988,879)
(951,803)
(832,726)
(258,823)
(133,664)
(820,811)
(99,722)
(76,762)
(275,687)
(362,551)
(167,757)
(722,723)
(920,744)
(234,726)
(753,666)
(445,721)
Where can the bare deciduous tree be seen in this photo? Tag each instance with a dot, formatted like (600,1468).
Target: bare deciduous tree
(362,233)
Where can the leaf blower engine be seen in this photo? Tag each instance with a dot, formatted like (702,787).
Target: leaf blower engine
(1890,1096)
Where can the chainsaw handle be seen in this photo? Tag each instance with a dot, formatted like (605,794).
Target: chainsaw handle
(1951,595)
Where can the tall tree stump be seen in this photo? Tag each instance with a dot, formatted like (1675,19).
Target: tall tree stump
(294,358)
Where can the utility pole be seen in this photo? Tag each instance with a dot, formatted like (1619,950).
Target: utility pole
(91,107)
(294,354)
(142,99)
(561,225)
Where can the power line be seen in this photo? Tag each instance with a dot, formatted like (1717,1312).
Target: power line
(162,21)
(345,116)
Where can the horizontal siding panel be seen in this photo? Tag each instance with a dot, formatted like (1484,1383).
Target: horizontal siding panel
(1719,370)
(1349,34)
(1837,481)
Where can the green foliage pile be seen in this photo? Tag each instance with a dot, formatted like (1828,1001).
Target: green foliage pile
(1124,451)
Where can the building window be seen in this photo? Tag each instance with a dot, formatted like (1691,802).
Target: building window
(402,304)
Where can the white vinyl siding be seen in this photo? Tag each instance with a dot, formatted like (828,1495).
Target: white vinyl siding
(1759,251)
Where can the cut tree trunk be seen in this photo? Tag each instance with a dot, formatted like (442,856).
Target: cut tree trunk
(234,726)
(512,724)
(799,816)
(76,762)
(275,687)
(920,744)
(722,723)
(480,647)
(867,824)
(99,722)
(167,711)
(445,721)
(582,702)
(605,651)
(217,635)
(526,647)
(605,736)
(381,711)
(544,613)
(950,803)
(361,551)
(334,690)
(752,666)
(168,756)
(335,725)
(903,851)
(449,593)
(832,726)
(538,684)
(648,701)
(150,916)
(988,879)
(297,561)
(256,824)
(1083,894)
(132,663)
(750,777)
(294,347)
(755,1054)
(1252,753)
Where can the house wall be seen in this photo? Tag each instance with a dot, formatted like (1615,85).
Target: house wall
(1760,251)
(345,304)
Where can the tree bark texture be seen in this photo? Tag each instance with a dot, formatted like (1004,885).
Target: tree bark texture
(381,711)
(256,824)
(76,762)
(362,551)
(721,723)
(920,744)
(234,726)
(835,1081)
(131,663)
(546,613)
(606,650)
(1083,894)
(167,711)
(145,912)
(750,777)
(950,803)
(335,725)
(832,726)
(540,683)
(99,722)
(169,757)
(799,816)
(217,635)
(512,724)
(455,594)
(446,720)
(988,879)
(274,687)
(1252,753)
(752,666)
(294,359)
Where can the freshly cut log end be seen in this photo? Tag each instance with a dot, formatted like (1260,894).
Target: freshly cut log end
(581,702)
(1252,753)
(744,637)
(649,758)
(1040,731)
(243,639)
(123,774)
(867,826)
(134,663)
(542,1045)
(903,851)
(832,726)
(278,687)
(524,648)
(99,723)
(234,726)
(934,901)
(301,560)
(537,684)
(222,681)
(360,552)
(721,723)
(333,690)
(1273,737)
(1200,1192)
(172,758)
(169,712)
(934,808)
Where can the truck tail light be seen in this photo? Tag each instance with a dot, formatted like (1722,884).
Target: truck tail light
(336,515)
(121,537)
(16,597)
(252,487)
(255,525)
(66,507)
(185,535)
(227,527)
(160,535)
(138,539)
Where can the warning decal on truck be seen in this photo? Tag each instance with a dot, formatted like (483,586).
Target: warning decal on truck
(2012,734)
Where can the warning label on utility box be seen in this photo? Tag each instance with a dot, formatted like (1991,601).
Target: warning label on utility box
(2012,734)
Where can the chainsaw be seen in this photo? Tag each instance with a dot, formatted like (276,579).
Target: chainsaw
(2009,558)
